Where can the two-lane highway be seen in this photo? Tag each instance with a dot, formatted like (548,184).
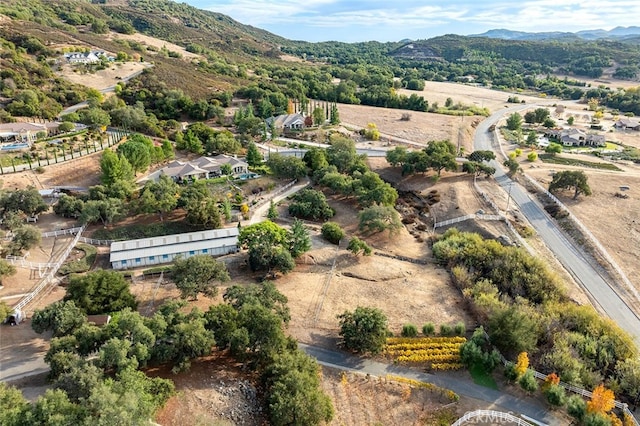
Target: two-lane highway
(570,256)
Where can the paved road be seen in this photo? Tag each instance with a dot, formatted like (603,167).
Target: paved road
(496,400)
(567,253)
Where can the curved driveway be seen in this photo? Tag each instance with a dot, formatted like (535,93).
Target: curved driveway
(569,255)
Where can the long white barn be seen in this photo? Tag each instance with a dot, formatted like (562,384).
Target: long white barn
(158,250)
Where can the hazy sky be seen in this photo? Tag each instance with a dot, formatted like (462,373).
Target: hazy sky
(388,20)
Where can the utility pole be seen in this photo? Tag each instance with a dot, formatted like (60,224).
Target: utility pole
(508,198)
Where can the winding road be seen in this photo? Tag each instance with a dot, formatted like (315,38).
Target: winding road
(569,255)
(496,400)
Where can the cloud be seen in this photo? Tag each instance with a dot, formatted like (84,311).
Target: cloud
(395,20)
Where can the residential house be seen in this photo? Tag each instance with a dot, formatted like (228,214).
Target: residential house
(203,168)
(158,250)
(91,57)
(286,122)
(26,132)
(626,123)
(575,137)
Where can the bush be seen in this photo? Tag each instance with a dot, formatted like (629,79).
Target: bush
(364,330)
(80,265)
(576,407)
(409,330)
(510,372)
(528,382)
(332,232)
(459,329)
(446,330)
(556,395)
(428,329)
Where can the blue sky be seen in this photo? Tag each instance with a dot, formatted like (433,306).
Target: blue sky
(389,20)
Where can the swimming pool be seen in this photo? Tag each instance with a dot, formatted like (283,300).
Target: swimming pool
(14,146)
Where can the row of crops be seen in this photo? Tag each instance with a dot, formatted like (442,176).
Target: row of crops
(437,353)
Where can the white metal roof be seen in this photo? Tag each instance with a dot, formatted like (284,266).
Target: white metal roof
(176,243)
(173,249)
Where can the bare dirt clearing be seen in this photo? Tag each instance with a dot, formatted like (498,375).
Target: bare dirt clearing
(102,79)
(469,94)
(613,220)
(155,43)
(422,127)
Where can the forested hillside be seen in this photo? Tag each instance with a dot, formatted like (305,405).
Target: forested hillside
(230,59)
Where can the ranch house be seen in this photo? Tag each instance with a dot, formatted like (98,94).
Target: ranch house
(575,137)
(202,168)
(286,122)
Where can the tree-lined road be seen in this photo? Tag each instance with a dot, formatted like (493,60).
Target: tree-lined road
(570,256)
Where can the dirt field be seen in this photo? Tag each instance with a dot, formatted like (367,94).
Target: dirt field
(422,127)
(156,43)
(104,78)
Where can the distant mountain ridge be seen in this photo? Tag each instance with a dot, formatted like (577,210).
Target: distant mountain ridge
(617,33)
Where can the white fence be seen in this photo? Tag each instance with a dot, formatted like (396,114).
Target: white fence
(571,388)
(50,276)
(490,417)
(274,194)
(599,248)
(513,230)
(61,232)
(95,242)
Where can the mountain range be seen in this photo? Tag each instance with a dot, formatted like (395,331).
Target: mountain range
(617,33)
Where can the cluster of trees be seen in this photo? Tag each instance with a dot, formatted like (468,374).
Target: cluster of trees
(15,207)
(524,308)
(273,248)
(437,156)
(94,369)
(202,139)
(251,325)
(117,196)
(310,204)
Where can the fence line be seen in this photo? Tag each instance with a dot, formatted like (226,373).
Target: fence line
(114,136)
(50,277)
(513,230)
(491,417)
(585,393)
(599,247)
(59,232)
(95,242)
(274,194)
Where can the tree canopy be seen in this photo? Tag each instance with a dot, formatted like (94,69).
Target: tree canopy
(570,179)
(100,292)
(363,330)
(198,274)
(310,204)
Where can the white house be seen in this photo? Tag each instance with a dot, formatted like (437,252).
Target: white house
(158,250)
(286,121)
(575,137)
(86,57)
